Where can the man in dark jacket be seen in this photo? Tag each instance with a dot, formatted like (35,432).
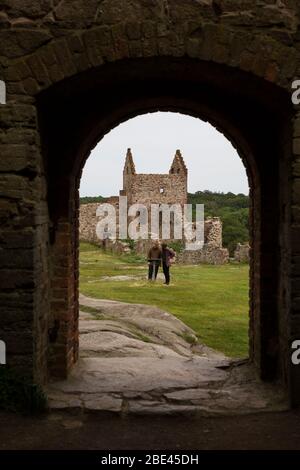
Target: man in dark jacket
(154,261)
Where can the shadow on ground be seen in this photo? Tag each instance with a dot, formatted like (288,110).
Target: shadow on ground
(68,431)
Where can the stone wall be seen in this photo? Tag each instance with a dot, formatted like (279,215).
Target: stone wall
(212,252)
(207,255)
(150,189)
(242,253)
(75,69)
(88,222)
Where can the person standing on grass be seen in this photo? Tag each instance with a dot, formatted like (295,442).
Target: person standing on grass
(154,260)
(168,257)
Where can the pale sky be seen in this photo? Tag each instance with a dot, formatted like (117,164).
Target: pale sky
(211,160)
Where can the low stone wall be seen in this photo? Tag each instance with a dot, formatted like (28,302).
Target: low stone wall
(242,253)
(208,255)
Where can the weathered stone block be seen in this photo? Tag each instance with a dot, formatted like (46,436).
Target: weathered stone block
(18,157)
(39,71)
(101,35)
(16,278)
(296,167)
(295,214)
(55,73)
(21,42)
(135,49)
(149,29)
(29,8)
(295,239)
(14,186)
(76,44)
(133,30)
(297,127)
(296,146)
(150,47)
(21,258)
(193,47)
(18,239)
(120,41)
(296,191)
(79,11)
(16,115)
(64,57)
(31,86)
(295,266)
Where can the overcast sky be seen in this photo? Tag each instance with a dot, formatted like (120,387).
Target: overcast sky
(211,160)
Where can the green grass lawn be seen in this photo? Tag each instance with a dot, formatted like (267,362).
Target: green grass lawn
(213,300)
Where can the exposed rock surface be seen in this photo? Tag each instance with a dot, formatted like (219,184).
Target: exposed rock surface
(139,359)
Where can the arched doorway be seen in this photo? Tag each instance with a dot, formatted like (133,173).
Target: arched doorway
(84,70)
(209,288)
(252,113)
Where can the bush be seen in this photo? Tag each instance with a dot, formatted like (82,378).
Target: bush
(233,210)
(177,246)
(130,242)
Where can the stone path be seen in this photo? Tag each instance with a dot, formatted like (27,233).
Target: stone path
(138,359)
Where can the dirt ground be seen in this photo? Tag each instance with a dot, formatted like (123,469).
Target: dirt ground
(65,431)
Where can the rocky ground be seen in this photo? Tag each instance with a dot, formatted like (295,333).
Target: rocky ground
(138,359)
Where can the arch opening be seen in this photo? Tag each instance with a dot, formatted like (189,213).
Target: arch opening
(206,166)
(74,117)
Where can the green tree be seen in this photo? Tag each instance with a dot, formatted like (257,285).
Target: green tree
(233,210)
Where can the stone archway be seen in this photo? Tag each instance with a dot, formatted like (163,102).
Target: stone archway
(208,100)
(88,70)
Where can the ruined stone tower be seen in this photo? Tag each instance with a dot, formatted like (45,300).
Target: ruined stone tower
(147,189)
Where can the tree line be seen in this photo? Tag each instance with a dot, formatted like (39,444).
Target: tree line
(233,210)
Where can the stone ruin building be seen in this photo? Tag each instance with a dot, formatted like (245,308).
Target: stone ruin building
(147,189)
(169,188)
